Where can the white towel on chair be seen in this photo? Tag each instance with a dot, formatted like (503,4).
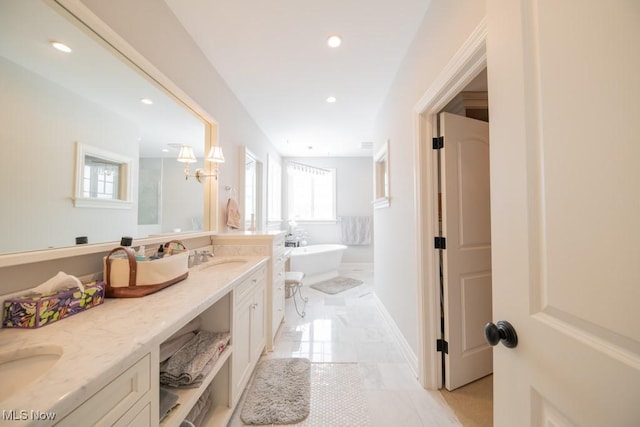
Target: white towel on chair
(356,230)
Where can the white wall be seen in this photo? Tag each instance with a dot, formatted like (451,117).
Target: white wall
(39,126)
(446,25)
(354,188)
(152,29)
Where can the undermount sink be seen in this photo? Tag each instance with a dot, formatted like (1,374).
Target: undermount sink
(21,367)
(225,262)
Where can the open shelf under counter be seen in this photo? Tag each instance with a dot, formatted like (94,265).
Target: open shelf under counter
(217,416)
(187,397)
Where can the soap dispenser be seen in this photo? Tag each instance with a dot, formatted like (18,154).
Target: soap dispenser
(140,255)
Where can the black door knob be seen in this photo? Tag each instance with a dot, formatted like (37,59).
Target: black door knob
(503,331)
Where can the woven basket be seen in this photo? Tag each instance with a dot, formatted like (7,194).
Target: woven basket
(129,278)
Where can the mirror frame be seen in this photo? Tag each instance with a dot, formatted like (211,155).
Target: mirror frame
(79,14)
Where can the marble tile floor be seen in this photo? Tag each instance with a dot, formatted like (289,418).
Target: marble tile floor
(347,328)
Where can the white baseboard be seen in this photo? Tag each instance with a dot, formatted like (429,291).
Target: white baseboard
(403,345)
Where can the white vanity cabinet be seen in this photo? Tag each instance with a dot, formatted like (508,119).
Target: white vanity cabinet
(249,329)
(270,244)
(125,401)
(110,375)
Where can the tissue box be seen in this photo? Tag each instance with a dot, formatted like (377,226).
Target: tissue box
(35,310)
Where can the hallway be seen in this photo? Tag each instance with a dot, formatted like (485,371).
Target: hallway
(346,333)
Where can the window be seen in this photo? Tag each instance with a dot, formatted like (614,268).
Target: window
(274,190)
(312,192)
(100,179)
(103,179)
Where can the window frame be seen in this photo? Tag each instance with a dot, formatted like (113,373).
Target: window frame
(274,199)
(314,220)
(125,167)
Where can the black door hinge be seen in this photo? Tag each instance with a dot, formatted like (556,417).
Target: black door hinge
(440,243)
(438,142)
(442,346)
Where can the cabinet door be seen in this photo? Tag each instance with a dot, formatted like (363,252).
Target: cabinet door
(241,345)
(258,322)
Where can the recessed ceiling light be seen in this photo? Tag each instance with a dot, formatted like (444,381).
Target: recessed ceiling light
(146,101)
(165,150)
(61,47)
(334,41)
(331,99)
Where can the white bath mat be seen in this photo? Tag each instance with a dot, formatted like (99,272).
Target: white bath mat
(336,285)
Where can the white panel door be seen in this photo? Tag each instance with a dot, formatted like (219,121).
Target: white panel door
(466,224)
(565,187)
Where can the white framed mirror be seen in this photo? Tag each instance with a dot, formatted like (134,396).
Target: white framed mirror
(131,116)
(382,198)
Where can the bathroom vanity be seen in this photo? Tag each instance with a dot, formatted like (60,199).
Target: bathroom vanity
(101,367)
(268,243)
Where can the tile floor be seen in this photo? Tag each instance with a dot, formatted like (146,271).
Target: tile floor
(347,328)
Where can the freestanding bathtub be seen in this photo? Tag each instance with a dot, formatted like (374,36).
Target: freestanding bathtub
(317,262)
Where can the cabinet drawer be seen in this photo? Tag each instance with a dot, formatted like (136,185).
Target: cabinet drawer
(278,246)
(106,406)
(245,287)
(142,419)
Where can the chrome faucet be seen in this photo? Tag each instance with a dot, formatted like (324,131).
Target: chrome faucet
(204,256)
(193,259)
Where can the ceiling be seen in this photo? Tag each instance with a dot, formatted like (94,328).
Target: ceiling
(275,58)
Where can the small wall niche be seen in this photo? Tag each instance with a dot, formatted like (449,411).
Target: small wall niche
(381,194)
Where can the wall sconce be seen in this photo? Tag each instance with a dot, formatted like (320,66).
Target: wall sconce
(186,156)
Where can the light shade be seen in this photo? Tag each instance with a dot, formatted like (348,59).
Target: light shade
(186,155)
(215,154)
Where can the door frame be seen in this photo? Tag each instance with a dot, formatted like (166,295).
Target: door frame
(465,65)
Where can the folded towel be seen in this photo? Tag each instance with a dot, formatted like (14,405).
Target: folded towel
(233,213)
(356,230)
(168,401)
(199,410)
(172,346)
(205,371)
(184,367)
(180,338)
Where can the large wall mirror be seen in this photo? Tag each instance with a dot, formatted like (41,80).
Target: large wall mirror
(53,102)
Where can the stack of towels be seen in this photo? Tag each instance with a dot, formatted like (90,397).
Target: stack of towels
(185,360)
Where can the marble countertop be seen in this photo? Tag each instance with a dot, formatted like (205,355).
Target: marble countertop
(102,342)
